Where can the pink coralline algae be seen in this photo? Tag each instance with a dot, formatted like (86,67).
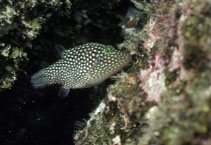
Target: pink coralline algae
(176,61)
(153,79)
(152,36)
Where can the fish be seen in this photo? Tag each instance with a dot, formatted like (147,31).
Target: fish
(82,66)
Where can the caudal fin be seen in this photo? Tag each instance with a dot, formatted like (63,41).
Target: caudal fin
(38,79)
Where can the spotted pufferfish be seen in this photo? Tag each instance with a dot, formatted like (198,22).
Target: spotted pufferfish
(81,67)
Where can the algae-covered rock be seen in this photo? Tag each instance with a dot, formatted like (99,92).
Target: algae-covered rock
(164,97)
(20,23)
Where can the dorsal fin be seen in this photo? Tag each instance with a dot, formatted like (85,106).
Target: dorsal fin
(60,49)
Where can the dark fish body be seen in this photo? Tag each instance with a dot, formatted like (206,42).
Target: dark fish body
(82,67)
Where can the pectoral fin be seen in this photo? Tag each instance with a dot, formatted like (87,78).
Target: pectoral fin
(63,92)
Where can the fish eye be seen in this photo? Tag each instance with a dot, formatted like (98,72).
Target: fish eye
(108,51)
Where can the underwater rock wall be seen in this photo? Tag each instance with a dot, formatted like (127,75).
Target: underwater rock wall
(165,96)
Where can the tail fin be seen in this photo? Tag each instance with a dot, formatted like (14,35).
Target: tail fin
(38,79)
